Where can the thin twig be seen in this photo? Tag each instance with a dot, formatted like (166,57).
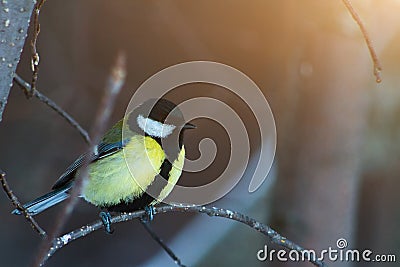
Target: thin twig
(18,205)
(114,84)
(374,56)
(26,87)
(35,55)
(273,236)
(159,241)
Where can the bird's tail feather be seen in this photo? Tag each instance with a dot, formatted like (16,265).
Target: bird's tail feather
(44,202)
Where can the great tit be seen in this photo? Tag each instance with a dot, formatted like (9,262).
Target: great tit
(122,169)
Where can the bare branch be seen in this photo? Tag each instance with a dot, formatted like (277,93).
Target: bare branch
(114,84)
(273,236)
(367,38)
(26,87)
(159,241)
(14,200)
(35,55)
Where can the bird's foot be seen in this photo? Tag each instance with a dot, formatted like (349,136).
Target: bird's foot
(149,215)
(105,217)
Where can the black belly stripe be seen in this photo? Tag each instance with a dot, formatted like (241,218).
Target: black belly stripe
(145,199)
(171,152)
(165,169)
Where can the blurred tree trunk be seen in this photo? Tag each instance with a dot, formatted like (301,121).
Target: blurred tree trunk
(323,121)
(14,22)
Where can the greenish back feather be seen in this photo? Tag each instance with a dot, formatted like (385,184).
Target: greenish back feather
(114,135)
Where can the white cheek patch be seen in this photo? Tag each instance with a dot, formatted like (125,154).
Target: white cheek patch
(154,128)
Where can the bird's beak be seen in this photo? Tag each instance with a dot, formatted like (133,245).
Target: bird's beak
(189,126)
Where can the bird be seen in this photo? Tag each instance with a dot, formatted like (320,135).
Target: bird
(122,169)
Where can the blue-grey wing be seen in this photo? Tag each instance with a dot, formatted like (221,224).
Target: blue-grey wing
(102,150)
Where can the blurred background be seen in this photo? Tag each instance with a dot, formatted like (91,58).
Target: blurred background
(336,169)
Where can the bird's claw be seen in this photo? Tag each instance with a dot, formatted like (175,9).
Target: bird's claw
(149,215)
(106,219)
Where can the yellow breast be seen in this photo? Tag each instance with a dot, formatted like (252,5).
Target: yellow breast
(111,181)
